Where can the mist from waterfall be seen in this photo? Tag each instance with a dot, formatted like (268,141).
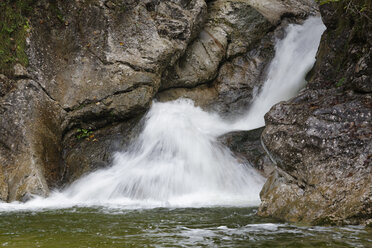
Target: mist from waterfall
(177,160)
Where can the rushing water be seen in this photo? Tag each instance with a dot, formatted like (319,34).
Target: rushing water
(176,185)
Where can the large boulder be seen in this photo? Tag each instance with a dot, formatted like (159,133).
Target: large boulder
(321,140)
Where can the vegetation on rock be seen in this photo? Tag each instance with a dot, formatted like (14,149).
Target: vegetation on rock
(14,28)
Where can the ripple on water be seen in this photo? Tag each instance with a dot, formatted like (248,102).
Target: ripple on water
(164,227)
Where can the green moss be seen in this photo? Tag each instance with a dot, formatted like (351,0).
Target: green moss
(14,28)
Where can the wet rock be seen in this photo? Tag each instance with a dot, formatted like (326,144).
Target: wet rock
(230,28)
(247,146)
(241,78)
(118,107)
(86,153)
(30,135)
(200,62)
(345,51)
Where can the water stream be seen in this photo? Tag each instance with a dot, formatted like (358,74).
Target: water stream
(176,180)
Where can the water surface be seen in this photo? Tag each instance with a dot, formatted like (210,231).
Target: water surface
(163,227)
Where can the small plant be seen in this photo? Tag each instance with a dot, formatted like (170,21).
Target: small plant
(82,133)
(340,82)
(360,8)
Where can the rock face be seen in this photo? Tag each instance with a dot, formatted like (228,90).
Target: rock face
(93,69)
(94,66)
(321,140)
(231,53)
(246,145)
(30,134)
(219,58)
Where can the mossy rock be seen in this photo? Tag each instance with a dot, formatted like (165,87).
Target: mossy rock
(14,28)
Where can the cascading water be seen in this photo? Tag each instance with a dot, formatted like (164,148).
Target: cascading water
(294,57)
(176,161)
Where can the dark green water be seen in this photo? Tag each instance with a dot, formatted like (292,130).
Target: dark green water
(203,227)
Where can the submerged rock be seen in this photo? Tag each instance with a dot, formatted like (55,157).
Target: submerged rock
(321,140)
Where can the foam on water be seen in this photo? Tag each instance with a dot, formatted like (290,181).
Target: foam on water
(177,161)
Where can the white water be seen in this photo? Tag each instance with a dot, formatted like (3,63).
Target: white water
(177,161)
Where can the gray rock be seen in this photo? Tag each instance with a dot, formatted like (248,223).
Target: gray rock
(231,27)
(30,141)
(104,50)
(242,77)
(322,141)
(86,153)
(231,54)
(247,146)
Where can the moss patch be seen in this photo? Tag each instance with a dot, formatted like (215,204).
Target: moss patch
(14,27)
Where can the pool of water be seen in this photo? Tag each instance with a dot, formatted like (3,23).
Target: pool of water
(164,227)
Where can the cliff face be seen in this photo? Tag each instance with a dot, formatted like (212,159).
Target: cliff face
(321,140)
(77,76)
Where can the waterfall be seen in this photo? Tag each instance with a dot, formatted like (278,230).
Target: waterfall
(294,57)
(177,161)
